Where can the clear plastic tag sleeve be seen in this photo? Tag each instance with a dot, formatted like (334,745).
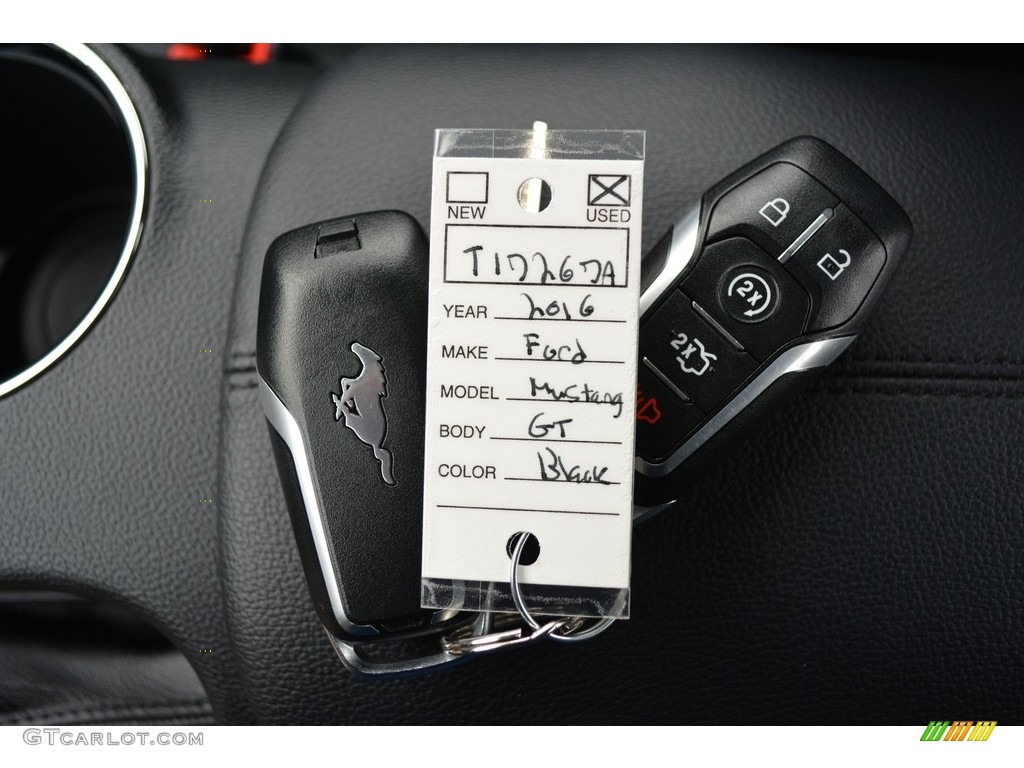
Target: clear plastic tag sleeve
(531,368)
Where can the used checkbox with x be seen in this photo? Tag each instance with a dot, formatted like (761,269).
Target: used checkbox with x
(608,190)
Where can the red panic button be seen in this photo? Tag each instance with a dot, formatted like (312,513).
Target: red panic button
(647,408)
(663,418)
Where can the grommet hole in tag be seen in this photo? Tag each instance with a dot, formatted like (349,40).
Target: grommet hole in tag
(531,550)
(534,195)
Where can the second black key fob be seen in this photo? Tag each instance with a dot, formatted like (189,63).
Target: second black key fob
(750,295)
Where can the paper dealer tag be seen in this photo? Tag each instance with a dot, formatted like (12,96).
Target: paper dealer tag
(531,368)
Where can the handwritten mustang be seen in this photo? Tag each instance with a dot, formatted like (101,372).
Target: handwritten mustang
(361,405)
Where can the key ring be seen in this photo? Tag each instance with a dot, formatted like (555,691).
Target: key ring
(473,639)
(478,637)
(570,630)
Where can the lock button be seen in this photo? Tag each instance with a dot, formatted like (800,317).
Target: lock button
(772,208)
(838,267)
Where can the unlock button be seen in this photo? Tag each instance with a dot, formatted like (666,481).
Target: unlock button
(838,266)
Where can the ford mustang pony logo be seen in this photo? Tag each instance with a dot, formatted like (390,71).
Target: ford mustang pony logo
(361,405)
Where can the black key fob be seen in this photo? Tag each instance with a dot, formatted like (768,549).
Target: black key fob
(341,356)
(748,297)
